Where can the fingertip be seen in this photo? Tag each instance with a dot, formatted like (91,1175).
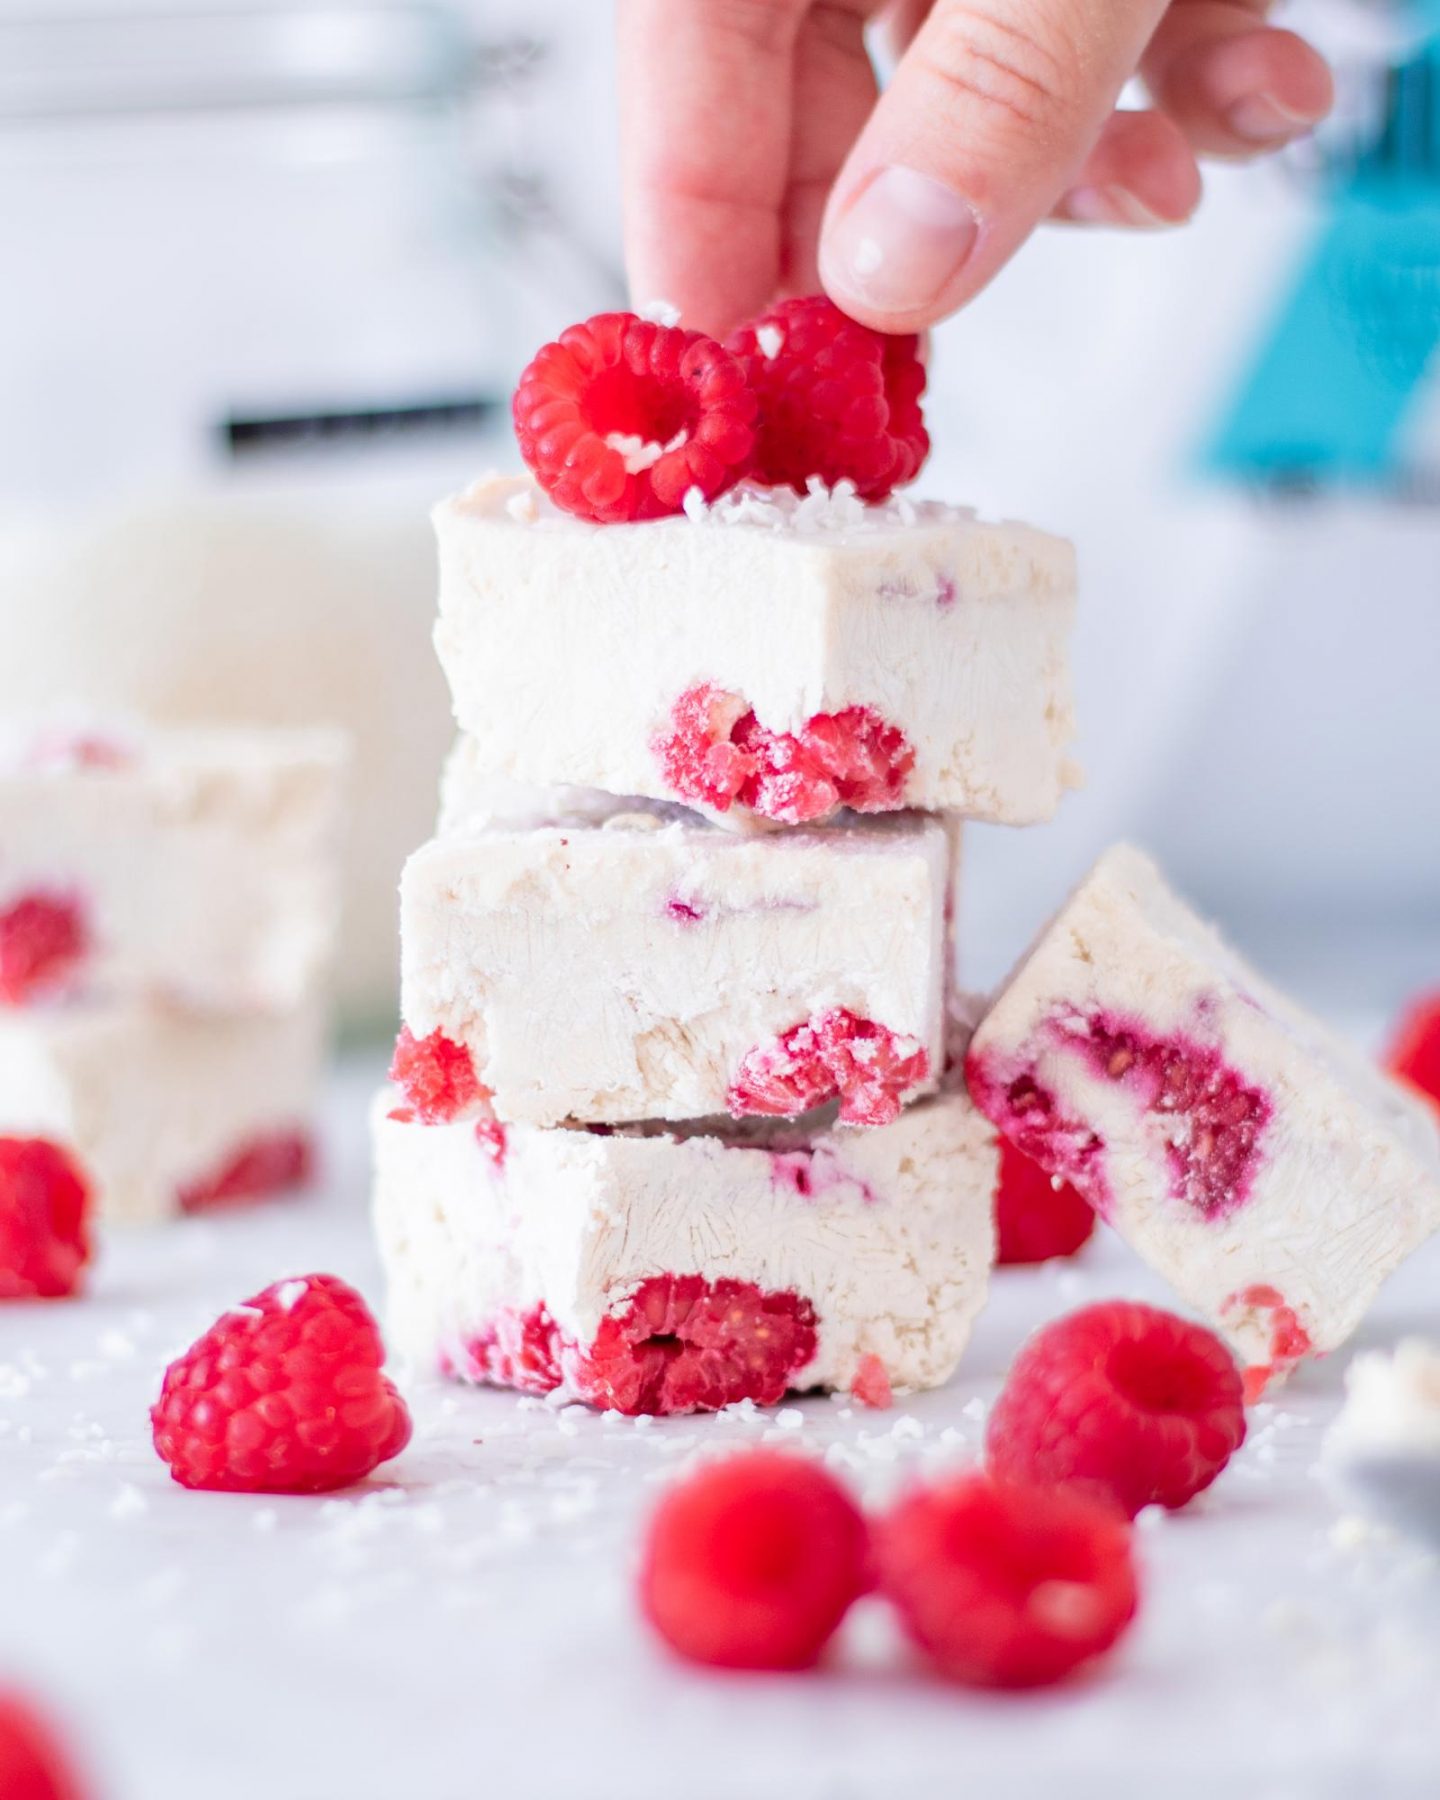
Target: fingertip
(1141,174)
(1243,95)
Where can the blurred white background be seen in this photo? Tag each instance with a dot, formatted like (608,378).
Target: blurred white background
(269,271)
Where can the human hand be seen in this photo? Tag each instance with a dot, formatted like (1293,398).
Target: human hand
(759,158)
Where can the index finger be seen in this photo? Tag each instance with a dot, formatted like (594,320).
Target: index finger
(705,113)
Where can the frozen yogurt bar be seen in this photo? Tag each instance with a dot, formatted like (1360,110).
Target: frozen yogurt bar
(1268,1172)
(772,658)
(194,868)
(640,966)
(648,1271)
(165,1113)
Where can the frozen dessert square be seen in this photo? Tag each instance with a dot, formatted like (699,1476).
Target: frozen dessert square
(165,1113)
(643,1270)
(194,868)
(771,659)
(1269,1173)
(640,966)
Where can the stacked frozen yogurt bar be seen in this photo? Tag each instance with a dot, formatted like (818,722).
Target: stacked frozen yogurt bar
(674,1122)
(168,903)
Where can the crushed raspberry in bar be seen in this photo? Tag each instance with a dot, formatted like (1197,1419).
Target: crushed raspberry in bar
(1036,1217)
(283,1395)
(1217,1118)
(837,400)
(1290,1342)
(270,1163)
(835,1053)
(490,1135)
(716,753)
(752,1563)
(870,1384)
(1133,1402)
(32,1764)
(1414,1053)
(1007,1585)
(1028,1116)
(44,1220)
(621,417)
(59,752)
(43,940)
(436,1076)
(516,1350)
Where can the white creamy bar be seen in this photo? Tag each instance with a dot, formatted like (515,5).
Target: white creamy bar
(651,1272)
(193,867)
(165,1113)
(1272,1175)
(644,967)
(568,645)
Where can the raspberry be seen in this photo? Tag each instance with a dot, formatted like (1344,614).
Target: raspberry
(835,1053)
(684,1344)
(43,938)
(518,1350)
(1036,1217)
(1028,1116)
(32,1765)
(870,1384)
(284,1395)
(716,753)
(436,1076)
(620,418)
(1136,1403)
(1003,1584)
(753,1562)
(44,1220)
(1414,1053)
(837,400)
(268,1163)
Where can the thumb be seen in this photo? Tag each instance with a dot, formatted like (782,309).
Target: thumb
(986,123)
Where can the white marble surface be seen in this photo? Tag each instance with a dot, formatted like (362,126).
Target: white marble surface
(463,1623)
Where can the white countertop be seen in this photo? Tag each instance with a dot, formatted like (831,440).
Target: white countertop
(462,1624)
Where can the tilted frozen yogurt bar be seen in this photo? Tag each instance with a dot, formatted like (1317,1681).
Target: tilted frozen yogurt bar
(644,1271)
(773,658)
(165,1113)
(648,967)
(1269,1173)
(192,867)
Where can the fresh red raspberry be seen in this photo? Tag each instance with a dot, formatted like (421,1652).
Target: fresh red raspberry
(44,1220)
(620,418)
(837,399)
(43,938)
(752,1563)
(684,1344)
(32,1764)
(436,1076)
(868,1066)
(1414,1053)
(1139,1405)
(1036,1217)
(269,1163)
(870,1384)
(1003,1584)
(283,1395)
(716,753)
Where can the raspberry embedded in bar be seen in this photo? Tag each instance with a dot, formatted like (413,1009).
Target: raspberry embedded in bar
(646,967)
(772,659)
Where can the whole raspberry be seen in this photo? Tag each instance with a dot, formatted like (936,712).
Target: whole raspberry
(684,1344)
(284,1395)
(32,1765)
(436,1076)
(1414,1053)
(43,938)
(752,1563)
(1003,1584)
(1141,1406)
(268,1163)
(44,1220)
(1036,1217)
(620,418)
(837,400)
